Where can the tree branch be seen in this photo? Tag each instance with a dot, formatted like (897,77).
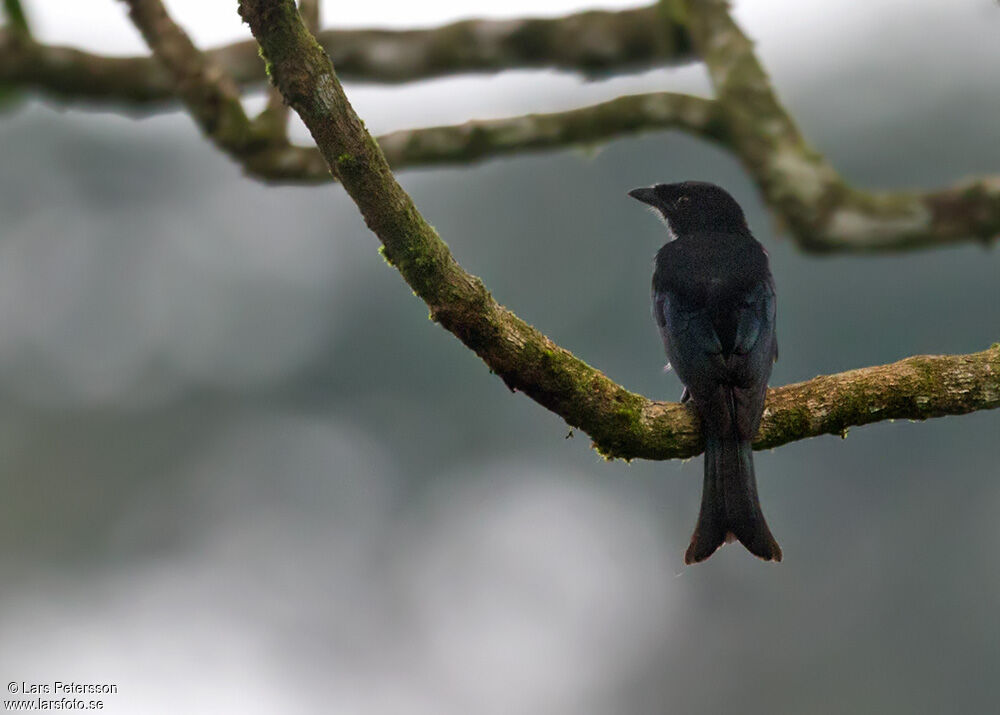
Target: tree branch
(478,140)
(916,388)
(210,95)
(274,118)
(594,43)
(17,21)
(621,423)
(263,149)
(14,33)
(821,210)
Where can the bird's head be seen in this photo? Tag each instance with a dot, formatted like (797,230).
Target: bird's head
(692,206)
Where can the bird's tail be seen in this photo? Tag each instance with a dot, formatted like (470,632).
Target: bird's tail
(730,508)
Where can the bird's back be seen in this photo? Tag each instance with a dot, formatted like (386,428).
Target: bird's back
(710,267)
(712,274)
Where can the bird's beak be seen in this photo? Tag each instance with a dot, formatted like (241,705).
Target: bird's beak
(645,194)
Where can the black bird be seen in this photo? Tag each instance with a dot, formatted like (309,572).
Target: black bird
(714,302)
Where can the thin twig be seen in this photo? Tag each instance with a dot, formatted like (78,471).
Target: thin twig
(209,93)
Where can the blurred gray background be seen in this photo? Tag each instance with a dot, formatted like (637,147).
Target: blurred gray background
(241,472)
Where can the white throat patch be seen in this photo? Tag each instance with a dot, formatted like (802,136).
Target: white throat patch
(663,219)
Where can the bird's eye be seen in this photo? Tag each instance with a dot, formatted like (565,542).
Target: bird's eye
(682,200)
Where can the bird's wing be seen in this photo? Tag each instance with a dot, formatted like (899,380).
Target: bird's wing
(704,363)
(690,340)
(754,351)
(755,320)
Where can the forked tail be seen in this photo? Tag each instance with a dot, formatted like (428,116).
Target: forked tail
(730,508)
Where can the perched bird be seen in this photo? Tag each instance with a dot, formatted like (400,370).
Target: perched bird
(714,302)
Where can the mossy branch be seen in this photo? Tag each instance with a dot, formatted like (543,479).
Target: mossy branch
(15,34)
(592,43)
(479,140)
(620,423)
(17,20)
(274,118)
(213,100)
(262,147)
(210,95)
(822,211)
